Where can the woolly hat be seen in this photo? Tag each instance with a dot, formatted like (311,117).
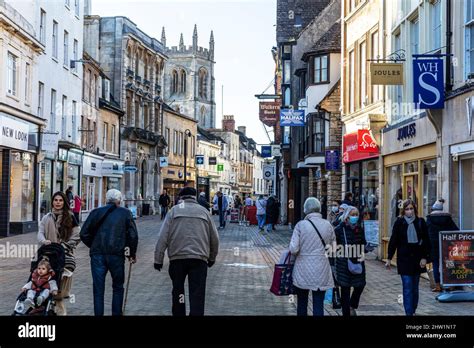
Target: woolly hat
(187,191)
(438,204)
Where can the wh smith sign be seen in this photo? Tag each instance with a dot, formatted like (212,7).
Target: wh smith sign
(428,83)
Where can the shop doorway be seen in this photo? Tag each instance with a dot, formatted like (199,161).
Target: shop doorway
(410,188)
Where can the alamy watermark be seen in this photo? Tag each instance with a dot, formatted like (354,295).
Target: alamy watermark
(19,251)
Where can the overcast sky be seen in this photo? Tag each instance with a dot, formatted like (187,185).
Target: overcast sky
(244,34)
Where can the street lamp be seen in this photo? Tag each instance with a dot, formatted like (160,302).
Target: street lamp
(187,134)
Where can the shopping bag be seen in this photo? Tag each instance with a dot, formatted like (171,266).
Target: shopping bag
(282,284)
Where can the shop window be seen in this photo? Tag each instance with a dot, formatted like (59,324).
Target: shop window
(353,182)
(46,175)
(411,167)
(429,185)
(395,195)
(369,196)
(73,178)
(467,192)
(22,191)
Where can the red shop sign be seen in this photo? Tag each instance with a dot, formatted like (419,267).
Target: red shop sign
(365,142)
(351,151)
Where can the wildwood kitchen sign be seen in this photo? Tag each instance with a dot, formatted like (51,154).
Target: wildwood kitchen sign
(386,73)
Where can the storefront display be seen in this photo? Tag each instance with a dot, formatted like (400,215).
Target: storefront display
(22,190)
(91,187)
(46,185)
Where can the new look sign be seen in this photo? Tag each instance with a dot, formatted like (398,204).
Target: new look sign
(428,83)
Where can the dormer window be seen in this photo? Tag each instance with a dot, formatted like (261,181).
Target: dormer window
(320,69)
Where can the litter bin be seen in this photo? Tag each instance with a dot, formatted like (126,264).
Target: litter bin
(146,209)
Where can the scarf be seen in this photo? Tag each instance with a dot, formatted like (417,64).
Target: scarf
(411,232)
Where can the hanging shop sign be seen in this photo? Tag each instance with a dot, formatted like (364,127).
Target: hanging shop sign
(199,159)
(203,181)
(291,118)
(212,161)
(74,157)
(49,142)
(130,169)
(365,142)
(457,258)
(163,162)
(269,172)
(333,160)
(266,151)
(428,83)
(269,112)
(276,150)
(351,151)
(220,167)
(386,73)
(13,133)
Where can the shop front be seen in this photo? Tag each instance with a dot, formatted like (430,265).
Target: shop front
(73,170)
(410,171)
(91,190)
(112,173)
(362,172)
(18,175)
(173,181)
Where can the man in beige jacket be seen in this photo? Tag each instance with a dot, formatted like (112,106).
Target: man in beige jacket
(191,238)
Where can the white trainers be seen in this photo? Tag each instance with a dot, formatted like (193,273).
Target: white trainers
(28,303)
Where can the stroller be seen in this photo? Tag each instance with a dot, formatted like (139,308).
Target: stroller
(54,253)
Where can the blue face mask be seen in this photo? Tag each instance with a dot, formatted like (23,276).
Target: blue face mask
(353,219)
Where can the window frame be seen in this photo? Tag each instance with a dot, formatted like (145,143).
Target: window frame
(320,70)
(105,130)
(42,30)
(66,49)
(40,110)
(55,49)
(12,75)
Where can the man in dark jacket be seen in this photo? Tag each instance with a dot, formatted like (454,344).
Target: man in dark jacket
(348,199)
(272,211)
(203,201)
(164,202)
(111,234)
(438,221)
(190,236)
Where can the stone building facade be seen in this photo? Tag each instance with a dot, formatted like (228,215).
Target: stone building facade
(134,62)
(189,79)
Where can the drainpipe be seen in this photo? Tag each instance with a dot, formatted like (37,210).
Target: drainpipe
(439,152)
(449,40)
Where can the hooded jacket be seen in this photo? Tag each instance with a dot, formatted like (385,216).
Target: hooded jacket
(439,221)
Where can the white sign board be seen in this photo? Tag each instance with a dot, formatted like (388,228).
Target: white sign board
(269,172)
(91,166)
(50,142)
(112,168)
(13,133)
(276,151)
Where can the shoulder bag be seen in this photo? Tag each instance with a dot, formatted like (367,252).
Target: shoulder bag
(354,268)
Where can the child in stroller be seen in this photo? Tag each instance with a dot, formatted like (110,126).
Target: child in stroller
(36,297)
(40,285)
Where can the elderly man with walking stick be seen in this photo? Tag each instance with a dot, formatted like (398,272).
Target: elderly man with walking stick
(111,234)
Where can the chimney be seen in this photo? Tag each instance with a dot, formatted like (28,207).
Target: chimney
(242,129)
(228,123)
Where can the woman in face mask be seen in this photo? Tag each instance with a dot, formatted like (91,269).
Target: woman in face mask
(334,211)
(411,242)
(350,267)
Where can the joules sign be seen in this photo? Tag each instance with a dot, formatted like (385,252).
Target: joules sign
(13,133)
(407,131)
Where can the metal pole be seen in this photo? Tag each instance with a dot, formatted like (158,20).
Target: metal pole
(185,155)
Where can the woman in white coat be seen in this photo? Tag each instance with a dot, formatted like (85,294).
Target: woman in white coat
(312,270)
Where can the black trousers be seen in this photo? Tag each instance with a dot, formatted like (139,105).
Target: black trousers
(196,271)
(349,301)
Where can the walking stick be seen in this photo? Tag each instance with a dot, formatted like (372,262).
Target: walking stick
(126,288)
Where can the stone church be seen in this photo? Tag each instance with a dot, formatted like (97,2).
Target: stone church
(189,79)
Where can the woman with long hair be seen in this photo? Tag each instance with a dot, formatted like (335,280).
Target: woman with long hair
(411,242)
(60,226)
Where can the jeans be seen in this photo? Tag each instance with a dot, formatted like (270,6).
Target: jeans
(410,293)
(261,221)
(302,305)
(100,265)
(348,301)
(222,218)
(164,210)
(269,227)
(196,271)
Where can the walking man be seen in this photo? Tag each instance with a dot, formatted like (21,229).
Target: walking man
(164,202)
(261,205)
(203,201)
(111,234)
(189,235)
(221,204)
